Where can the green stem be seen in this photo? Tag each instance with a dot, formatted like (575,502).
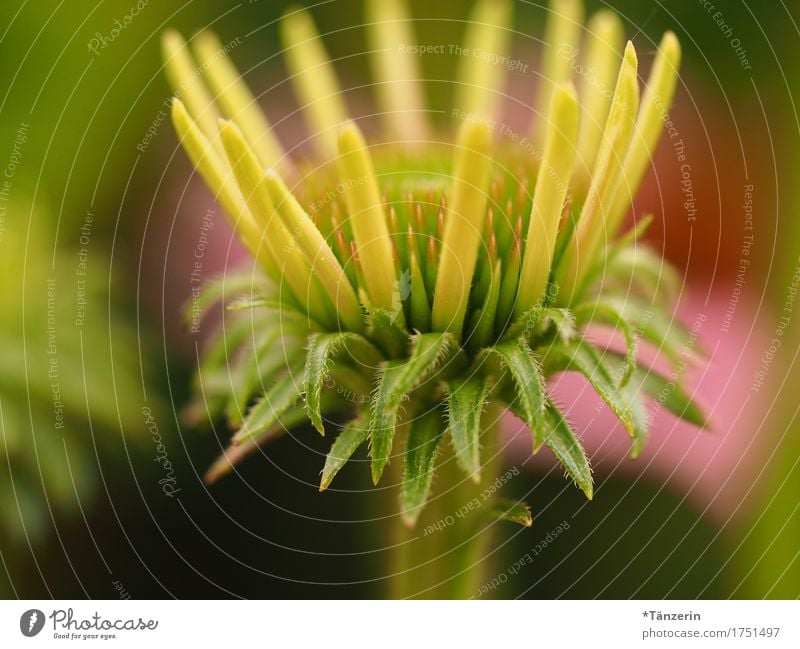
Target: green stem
(445,555)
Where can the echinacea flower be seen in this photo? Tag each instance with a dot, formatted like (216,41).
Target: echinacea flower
(411,282)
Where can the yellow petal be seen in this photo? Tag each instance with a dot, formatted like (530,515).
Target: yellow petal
(396,72)
(295,270)
(654,112)
(313,78)
(367,219)
(236,100)
(592,229)
(481,71)
(318,254)
(187,84)
(605,39)
(463,227)
(561,42)
(219,178)
(548,197)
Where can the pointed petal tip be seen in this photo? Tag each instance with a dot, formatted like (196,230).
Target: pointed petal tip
(298,20)
(603,20)
(171,40)
(630,56)
(206,39)
(475,135)
(670,48)
(498,10)
(376,472)
(177,106)
(180,118)
(350,136)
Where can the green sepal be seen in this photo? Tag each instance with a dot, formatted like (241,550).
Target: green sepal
(668,393)
(396,381)
(482,325)
(385,330)
(211,382)
(564,444)
(289,315)
(267,411)
(533,321)
(513,511)
(353,435)
(322,348)
(580,356)
(465,401)
(424,438)
(526,372)
(235,454)
(215,291)
(607,313)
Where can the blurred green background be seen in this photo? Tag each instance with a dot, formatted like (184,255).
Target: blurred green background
(91,226)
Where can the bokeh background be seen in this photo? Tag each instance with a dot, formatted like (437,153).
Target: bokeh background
(100,479)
